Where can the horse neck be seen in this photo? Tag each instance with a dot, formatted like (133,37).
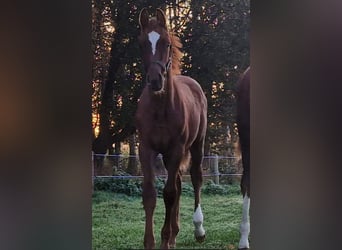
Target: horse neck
(170,89)
(163,103)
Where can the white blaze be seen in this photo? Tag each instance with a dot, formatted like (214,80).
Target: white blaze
(153,37)
(198,221)
(245,226)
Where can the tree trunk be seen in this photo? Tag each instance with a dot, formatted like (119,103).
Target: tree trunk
(132,160)
(116,159)
(99,148)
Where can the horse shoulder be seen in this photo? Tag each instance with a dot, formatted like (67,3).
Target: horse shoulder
(141,111)
(193,87)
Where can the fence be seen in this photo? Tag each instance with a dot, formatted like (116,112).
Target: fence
(218,168)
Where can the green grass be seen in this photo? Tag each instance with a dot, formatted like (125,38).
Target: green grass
(118,221)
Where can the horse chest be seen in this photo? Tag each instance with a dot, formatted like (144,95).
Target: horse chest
(163,129)
(160,135)
(155,136)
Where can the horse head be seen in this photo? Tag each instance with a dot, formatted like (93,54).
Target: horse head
(155,45)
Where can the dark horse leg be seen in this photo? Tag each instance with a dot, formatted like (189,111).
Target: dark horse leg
(171,194)
(149,195)
(245,188)
(197,179)
(175,210)
(243,121)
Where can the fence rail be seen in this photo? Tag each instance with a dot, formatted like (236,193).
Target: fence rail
(163,176)
(212,171)
(159,156)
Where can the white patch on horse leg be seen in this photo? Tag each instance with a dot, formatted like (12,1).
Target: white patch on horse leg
(153,37)
(198,222)
(245,226)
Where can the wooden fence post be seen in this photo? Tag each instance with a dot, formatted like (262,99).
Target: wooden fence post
(216,170)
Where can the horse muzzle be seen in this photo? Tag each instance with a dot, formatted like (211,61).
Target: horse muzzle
(156,84)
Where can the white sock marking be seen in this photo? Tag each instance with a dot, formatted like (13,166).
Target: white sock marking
(245,226)
(153,37)
(198,222)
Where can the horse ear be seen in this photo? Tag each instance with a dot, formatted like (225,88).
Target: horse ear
(143,18)
(161,18)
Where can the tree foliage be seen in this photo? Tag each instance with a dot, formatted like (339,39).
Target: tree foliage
(101,42)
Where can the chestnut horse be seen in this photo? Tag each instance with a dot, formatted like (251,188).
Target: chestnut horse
(171,120)
(243,122)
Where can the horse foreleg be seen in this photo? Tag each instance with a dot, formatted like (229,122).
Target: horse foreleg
(149,201)
(170,196)
(175,214)
(149,195)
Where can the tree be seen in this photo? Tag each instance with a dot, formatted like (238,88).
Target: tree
(101,39)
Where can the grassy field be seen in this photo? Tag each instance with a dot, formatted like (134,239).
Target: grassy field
(118,221)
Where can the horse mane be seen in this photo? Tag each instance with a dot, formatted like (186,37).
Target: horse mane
(176,53)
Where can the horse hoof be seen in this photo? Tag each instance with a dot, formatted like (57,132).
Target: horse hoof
(163,247)
(200,239)
(149,246)
(172,244)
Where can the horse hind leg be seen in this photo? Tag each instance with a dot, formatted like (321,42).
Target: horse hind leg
(245,225)
(197,180)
